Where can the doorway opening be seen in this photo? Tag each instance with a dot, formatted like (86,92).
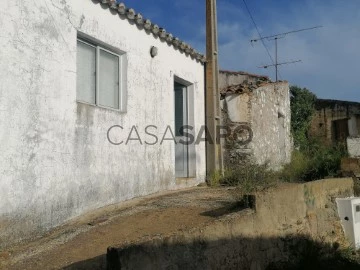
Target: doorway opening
(185,158)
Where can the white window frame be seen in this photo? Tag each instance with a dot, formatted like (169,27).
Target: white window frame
(122,94)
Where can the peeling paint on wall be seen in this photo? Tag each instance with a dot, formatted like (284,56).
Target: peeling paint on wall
(265,108)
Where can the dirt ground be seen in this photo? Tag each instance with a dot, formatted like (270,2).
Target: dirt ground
(90,235)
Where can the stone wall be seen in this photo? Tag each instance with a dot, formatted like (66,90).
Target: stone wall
(288,222)
(350,166)
(327,113)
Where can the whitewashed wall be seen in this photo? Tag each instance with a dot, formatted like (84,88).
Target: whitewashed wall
(55,160)
(353,145)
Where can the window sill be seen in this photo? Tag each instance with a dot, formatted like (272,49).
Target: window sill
(101,107)
(183,179)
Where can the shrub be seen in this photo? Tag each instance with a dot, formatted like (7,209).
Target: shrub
(302,108)
(314,163)
(324,161)
(296,169)
(313,160)
(246,177)
(215,178)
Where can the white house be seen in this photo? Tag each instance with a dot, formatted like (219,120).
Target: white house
(89,95)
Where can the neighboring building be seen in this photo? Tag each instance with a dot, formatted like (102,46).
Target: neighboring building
(337,121)
(71,70)
(257,111)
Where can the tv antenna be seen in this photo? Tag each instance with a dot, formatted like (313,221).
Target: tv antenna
(279,64)
(275,38)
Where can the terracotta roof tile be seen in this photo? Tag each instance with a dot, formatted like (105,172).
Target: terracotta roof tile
(244,73)
(245,87)
(147,25)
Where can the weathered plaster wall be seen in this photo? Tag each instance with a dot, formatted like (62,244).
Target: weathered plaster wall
(267,111)
(328,111)
(56,162)
(353,145)
(238,108)
(270,123)
(284,226)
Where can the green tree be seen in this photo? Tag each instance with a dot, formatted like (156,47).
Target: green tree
(302,108)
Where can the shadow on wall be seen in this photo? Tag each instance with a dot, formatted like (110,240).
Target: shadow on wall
(289,252)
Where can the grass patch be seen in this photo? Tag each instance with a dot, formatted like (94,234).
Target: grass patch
(249,177)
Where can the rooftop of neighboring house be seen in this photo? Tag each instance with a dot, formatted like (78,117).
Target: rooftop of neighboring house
(332,103)
(228,72)
(150,27)
(240,82)
(245,87)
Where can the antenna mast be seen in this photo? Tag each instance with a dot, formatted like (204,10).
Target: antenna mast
(275,38)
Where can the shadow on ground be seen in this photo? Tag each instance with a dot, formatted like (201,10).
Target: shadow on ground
(237,253)
(247,202)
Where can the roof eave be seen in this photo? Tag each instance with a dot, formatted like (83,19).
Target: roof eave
(147,25)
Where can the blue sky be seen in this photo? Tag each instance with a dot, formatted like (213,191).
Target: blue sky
(330,55)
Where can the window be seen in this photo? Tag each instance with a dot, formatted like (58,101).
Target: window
(100,76)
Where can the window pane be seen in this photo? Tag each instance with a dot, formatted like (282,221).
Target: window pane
(86,77)
(179,108)
(109,80)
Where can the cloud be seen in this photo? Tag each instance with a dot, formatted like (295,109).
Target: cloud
(329,55)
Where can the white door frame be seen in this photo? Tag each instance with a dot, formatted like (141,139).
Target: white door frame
(185,168)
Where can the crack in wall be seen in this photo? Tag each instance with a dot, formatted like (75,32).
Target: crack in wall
(57,28)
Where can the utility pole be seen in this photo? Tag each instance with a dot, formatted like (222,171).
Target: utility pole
(213,115)
(276,59)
